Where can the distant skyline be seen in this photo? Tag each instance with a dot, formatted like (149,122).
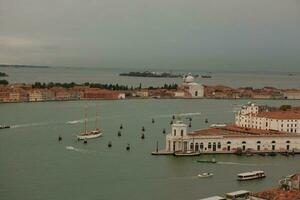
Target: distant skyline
(233,35)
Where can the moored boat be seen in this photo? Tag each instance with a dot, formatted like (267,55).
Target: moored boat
(251,175)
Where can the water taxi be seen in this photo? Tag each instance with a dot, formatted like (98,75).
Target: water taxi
(251,175)
(92,133)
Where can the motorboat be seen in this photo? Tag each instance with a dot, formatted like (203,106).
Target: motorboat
(205,175)
(4,126)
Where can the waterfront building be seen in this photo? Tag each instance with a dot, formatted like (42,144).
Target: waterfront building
(95,93)
(194,89)
(142,93)
(233,138)
(37,95)
(252,116)
(292,94)
(18,95)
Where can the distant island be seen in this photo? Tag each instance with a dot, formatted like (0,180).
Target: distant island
(2,74)
(24,66)
(152,74)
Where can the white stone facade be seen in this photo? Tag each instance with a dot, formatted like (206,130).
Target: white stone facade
(249,117)
(195,90)
(179,140)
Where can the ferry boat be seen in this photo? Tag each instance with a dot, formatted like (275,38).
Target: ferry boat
(90,134)
(251,175)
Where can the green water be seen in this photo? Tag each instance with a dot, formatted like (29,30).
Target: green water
(34,165)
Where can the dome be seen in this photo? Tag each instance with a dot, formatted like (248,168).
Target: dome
(189,79)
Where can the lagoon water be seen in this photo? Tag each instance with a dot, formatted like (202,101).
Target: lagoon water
(34,165)
(107,76)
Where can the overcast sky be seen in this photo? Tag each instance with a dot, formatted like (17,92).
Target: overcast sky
(203,34)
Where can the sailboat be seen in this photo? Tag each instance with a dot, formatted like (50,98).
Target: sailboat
(90,134)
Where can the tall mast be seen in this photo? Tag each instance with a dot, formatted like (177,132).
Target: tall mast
(96,121)
(85,118)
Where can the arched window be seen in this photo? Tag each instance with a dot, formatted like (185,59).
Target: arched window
(273,142)
(228,142)
(288,141)
(196,147)
(192,146)
(244,142)
(209,145)
(201,145)
(258,142)
(219,145)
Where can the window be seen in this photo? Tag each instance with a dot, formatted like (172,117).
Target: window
(228,142)
(201,145)
(209,145)
(181,132)
(258,142)
(273,142)
(174,132)
(244,142)
(219,145)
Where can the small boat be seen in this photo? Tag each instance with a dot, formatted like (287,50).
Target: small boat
(4,126)
(59,138)
(206,120)
(186,153)
(90,134)
(153,121)
(121,126)
(205,76)
(119,133)
(251,175)
(143,129)
(205,175)
(207,161)
(143,136)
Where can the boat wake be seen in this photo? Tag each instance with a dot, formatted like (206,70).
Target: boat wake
(71,148)
(28,125)
(181,114)
(75,121)
(235,163)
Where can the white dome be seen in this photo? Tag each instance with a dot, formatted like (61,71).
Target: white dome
(189,79)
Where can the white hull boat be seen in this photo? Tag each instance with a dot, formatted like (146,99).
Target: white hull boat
(205,175)
(89,135)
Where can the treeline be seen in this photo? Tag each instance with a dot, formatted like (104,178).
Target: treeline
(3,82)
(99,85)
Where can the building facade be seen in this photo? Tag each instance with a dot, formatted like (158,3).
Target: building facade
(250,116)
(194,89)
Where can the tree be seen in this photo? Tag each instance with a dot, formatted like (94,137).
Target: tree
(285,107)
(3,82)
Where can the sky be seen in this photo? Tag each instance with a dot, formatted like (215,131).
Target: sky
(248,35)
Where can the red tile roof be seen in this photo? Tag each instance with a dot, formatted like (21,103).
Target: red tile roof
(279,194)
(236,131)
(293,113)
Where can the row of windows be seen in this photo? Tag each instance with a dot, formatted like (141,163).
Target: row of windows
(181,132)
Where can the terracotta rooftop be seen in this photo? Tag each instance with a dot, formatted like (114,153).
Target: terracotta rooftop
(279,194)
(293,113)
(233,130)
